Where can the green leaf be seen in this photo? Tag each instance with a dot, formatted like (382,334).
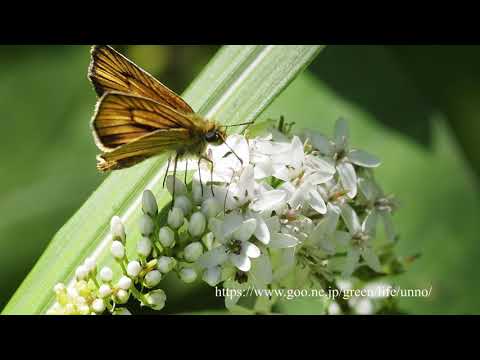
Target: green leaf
(237,85)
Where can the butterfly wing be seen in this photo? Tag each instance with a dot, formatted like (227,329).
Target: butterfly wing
(129,128)
(157,142)
(111,71)
(120,118)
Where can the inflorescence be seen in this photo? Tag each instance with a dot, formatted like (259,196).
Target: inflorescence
(304,202)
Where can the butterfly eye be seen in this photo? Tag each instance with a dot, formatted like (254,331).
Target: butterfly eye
(211,136)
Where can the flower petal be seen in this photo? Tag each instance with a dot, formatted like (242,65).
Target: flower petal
(348,178)
(242,262)
(362,158)
(317,203)
(388,225)
(351,219)
(280,241)
(251,250)
(262,232)
(369,225)
(342,238)
(371,259)
(231,222)
(268,201)
(321,143)
(246,230)
(262,271)
(351,262)
(214,257)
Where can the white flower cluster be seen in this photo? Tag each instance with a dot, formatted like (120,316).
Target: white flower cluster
(262,207)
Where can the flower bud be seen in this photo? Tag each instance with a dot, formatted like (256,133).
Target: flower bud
(196,192)
(81,273)
(212,276)
(121,311)
(211,207)
(149,203)
(124,283)
(207,240)
(133,268)
(156,299)
(98,306)
(72,293)
(193,251)
(90,264)
(59,288)
(152,278)
(144,246)
(197,224)
(106,274)
(104,291)
(183,203)
(117,249)
(165,264)
(188,275)
(146,225)
(166,236)
(122,296)
(175,218)
(83,289)
(84,309)
(117,229)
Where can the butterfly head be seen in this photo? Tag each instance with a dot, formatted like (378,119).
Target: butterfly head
(215,135)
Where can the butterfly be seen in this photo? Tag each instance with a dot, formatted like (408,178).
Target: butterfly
(137,117)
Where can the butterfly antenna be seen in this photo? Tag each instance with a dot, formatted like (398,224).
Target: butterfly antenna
(226,193)
(233,152)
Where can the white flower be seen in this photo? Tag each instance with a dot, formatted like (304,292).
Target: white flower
(233,234)
(133,268)
(381,206)
(149,203)
(357,240)
(211,207)
(345,158)
(106,274)
(122,311)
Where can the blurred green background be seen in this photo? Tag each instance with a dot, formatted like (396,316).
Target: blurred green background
(416,107)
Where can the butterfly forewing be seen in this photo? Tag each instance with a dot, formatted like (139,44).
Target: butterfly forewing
(121,118)
(111,71)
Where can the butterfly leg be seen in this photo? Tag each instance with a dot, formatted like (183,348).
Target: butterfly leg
(211,172)
(186,169)
(200,174)
(175,161)
(166,171)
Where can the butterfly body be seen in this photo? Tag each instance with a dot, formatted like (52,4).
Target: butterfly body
(137,117)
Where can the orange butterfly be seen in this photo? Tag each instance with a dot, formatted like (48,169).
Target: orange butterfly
(137,117)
